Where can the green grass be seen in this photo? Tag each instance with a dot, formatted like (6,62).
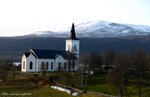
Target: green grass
(31,84)
(131,90)
(104,88)
(16,88)
(46,91)
(8,89)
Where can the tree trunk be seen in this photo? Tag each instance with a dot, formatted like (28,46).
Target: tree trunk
(121,87)
(140,85)
(86,80)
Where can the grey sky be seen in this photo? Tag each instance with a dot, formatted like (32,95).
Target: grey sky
(20,17)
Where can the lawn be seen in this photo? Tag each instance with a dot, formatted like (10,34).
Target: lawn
(46,91)
(33,86)
(103,88)
(131,90)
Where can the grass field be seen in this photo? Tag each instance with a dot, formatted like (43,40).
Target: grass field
(104,88)
(35,87)
(44,91)
(131,90)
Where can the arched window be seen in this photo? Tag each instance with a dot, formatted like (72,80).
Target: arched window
(42,66)
(31,65)
(23,64)
(47,65)
(75,48)
(69,48)
(59,66)
(52,66)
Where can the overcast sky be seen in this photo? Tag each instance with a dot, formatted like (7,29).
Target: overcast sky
(21,17)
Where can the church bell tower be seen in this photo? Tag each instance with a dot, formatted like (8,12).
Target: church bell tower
(72,43)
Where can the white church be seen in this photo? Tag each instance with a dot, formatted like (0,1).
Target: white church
(39,60)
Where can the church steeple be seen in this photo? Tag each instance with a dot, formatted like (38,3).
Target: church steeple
(72,32)
(72,43)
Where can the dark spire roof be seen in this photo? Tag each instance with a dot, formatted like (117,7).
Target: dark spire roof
(72,32)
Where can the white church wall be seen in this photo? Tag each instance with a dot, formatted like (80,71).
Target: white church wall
(32,59)
(68,45)
(77,65)
(23,64)
(75,46)
(51,65)
(59,63)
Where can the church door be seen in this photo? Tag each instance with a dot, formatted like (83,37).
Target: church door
(59,66)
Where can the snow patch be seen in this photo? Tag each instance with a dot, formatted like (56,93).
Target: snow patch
(98,29)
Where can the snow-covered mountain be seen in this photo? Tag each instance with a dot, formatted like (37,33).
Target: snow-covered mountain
(98,29)
(48,34)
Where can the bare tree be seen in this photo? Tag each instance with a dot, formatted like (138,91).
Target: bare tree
(83,72)
(140,67)
(71,59)
(108,58)
(44,67)
(4,66)
(120,72)
(95,61)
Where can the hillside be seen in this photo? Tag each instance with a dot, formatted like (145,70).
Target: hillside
(17,45)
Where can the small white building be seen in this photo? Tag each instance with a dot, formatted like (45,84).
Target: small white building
(38,60)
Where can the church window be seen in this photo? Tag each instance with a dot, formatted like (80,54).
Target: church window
(75,48)
(69,48)
(42,66)
(47,65)
(31,65)
(59,66)
(65,65)
(23,64)
(51,65)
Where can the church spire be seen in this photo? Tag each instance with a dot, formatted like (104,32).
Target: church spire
(72,32)
(72,43)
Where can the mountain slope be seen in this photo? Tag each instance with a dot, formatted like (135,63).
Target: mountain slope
(99,29)
(14,47)
(95,36)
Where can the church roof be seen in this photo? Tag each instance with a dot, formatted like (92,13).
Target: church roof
(27,54)
(50,54)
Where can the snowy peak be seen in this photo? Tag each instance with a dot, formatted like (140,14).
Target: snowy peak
(40,33)
(48,34)
(98,29)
